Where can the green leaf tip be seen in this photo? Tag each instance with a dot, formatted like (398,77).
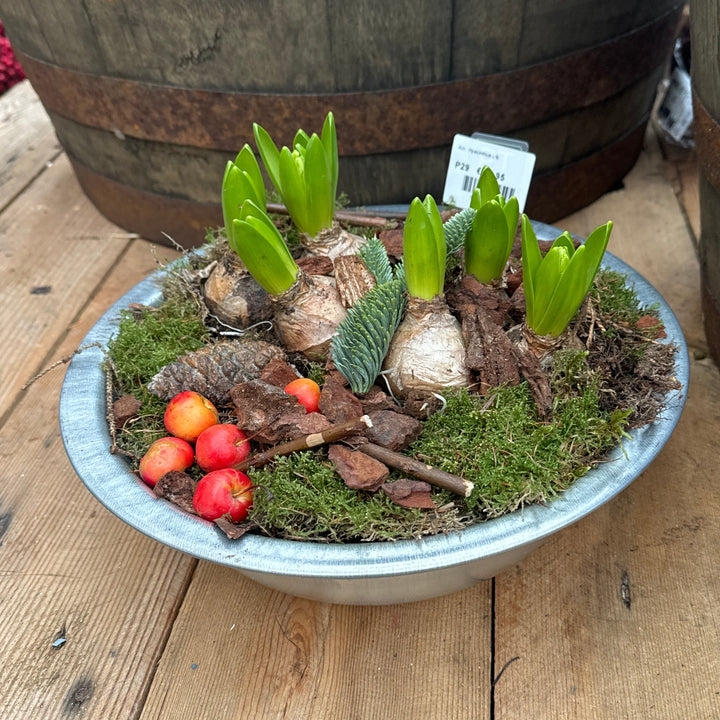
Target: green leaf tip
(490,239)
(556,285)
(305,175)
(262,249)
(424,249)
(242,181)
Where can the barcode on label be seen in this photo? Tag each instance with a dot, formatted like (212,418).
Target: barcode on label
(470,183)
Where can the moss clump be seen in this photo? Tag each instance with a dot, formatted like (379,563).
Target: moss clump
(156,337)
(145,342)
(513,456)
(306,500)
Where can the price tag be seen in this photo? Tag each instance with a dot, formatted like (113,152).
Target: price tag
(512,166)
(675,114)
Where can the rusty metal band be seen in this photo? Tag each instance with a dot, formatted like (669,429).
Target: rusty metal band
(152,215)
(373,122)
(706,132)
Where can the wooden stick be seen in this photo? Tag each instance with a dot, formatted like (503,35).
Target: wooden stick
(420,470)
(354,218)
(331,434)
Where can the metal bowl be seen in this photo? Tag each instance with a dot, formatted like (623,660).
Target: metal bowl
(362,573)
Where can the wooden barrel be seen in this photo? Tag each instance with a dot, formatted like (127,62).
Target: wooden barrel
(705,70)
(150,99)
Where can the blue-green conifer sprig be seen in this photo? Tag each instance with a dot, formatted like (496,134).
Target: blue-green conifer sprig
(364,336)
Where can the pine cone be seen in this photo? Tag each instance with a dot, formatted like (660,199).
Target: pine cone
(214,370)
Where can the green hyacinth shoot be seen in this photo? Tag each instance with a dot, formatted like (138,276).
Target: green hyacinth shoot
(306,176)
(556,285)
(424,249)
(262,249)
(242,181)
(490,239)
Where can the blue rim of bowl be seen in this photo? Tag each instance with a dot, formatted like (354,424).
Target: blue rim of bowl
(108,477)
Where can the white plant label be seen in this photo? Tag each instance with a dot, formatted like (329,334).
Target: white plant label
(512,167)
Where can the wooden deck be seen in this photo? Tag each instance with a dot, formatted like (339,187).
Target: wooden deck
(615,617)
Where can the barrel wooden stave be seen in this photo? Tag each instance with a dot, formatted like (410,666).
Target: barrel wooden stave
(312,47)
(705,38)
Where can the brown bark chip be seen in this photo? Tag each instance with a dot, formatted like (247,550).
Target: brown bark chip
(336,402)
(315,264)
(410,493)
(393,430)
(358,471)
(260,406)
(279,373)
(393,241)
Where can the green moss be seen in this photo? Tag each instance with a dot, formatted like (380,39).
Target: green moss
(144,345)
(305,499)
(513,456)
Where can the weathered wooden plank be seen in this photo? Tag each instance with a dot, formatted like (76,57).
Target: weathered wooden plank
(27,140)
(239,650)
(55,249)
(70,570)
(617,617)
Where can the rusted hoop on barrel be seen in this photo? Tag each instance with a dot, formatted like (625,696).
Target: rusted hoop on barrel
(372,121)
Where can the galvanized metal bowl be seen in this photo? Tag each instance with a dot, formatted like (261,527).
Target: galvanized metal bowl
(363,573)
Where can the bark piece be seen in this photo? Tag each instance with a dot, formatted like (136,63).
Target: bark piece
(410,493)
(125,408)
(353,279)
(315,264)
(279,373)
(652,325)
(420,404)
(260,406)
(336,402)
(393,430)
(393,241)
(358,471)
(177,487)
(377,399)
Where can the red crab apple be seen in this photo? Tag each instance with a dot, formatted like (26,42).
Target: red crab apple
(164,455)
(307,392)
(221,446)
(223,492)
(188,414)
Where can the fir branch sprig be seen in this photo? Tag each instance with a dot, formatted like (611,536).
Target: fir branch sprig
(456,229)
(364,336)
(376,258)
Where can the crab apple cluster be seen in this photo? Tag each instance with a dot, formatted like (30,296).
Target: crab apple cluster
(192,419)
